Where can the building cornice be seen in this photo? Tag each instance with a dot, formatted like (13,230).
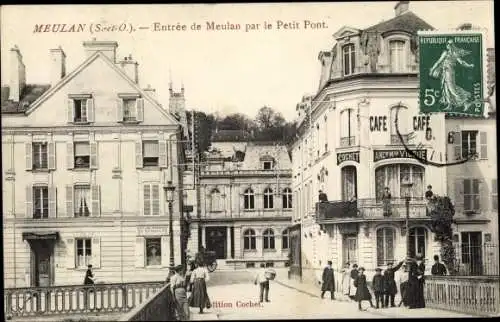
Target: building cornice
(6,130)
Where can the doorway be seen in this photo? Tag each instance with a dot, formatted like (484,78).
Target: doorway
(216,241)
(349,183)
(350,249)
(472,255)
(42,253)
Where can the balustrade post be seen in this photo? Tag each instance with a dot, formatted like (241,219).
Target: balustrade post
(124,297)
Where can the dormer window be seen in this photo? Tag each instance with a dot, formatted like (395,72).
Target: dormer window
(267,165)
(349,59)
(397,56)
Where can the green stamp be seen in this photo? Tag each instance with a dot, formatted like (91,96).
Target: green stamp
(451,73)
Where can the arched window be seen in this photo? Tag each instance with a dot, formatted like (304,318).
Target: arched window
(404,120)
(249,239)
(287,198)
(385,245)
(393,174)
(249,199)
(349,182)
(215,200)
(268,237)
(397,56)
(418,241)
(268,198)
(285,239)
(349,59)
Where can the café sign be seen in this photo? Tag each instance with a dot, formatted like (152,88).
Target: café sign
(152,230)
(347,156)
(379,155)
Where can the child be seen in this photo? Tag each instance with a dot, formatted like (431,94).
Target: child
(378,287)
(362,292)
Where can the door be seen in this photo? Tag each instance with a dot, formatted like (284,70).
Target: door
(216,241)
(349,183)
(472,255)
(43,251)
(350,250)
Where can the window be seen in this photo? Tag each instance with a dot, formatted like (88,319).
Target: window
(268,237)
(385,245)
(129,109)
(418,241)
(471,195)
(80,111)
(397,56)
(404,118)
(83,252)
(150,155)
(392,175)
(40,156)
(268,199)
(347,137)
(267,165)
(469,143)
(82,201)
(215,200)
(349,182)
(153,251)
(494,194)
(350,249)
(285,239)
(349,56)
(82,155)
(287,198)
(151,200)
(249,239)
(326,133)
(248,199)
(40,202)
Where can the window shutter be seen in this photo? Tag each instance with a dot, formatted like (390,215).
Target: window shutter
(70,157)
(139,252)
(459,195)
(147,199)
(155,199)
(140,109)
(93,155)
(457,148)
(483,145)
(51,147)
(494,194)
(483,196)
(90,110)
(164,251)
(29,202)
(71,111)
(162,146)
(29,156)
(96,200)
(70,253)
(96,252)
(119,110)
(52,202)
(70,211)
(138,154)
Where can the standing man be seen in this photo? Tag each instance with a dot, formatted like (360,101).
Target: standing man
(378,287)
(390,284)
(428,196)
(438,268)
(263,282)
(328,281)
(354,277)
(322,197)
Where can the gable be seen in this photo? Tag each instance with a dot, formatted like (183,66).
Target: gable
(345,32)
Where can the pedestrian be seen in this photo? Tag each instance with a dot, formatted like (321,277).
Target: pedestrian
(415,296)
(403,285)
(346,280)
(263,282)
(386,201)
(429,197)
(190,268)
(354,276)
(322,197)
(328,280)
(199,297)
(178,285)
(390,287)
(362,292)
(378,287)
(89,276)
(438,268)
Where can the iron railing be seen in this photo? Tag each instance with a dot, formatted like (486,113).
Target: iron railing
(347,141)
(476,260)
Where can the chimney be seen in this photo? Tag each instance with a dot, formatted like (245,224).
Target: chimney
(131,68)
(465,26)
(150,91)
(57,65)
(401,7)
(17,75)
(106,47)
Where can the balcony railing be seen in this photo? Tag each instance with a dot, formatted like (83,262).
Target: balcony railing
(160,307)
(370,209)
(248,213)
(395,139)
(77,299)
(236,172)
(476,260)
(347,141)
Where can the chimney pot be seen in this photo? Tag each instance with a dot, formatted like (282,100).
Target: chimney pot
(108,48)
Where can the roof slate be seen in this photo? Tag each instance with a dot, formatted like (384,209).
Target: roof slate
(407,21)
(30,93)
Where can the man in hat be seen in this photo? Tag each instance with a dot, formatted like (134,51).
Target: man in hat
(322,197)
(328,281)
(263,282)
(362,292)
(89,276)
(178,287)
(438,268)
(390,287)
(378,287)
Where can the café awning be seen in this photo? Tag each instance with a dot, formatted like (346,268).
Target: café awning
(50,235)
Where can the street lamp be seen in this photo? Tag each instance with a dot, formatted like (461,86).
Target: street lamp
(407,192)
(169,193)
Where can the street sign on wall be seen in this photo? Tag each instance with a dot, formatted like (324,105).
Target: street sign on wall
(451,72)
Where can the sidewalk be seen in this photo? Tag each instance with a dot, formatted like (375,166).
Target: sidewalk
(397,312)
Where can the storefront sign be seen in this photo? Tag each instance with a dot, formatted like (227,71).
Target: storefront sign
(152,230)
(347,156)
(421,122)
(379,155)
(378,123)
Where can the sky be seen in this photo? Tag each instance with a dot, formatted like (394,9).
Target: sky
(222,71)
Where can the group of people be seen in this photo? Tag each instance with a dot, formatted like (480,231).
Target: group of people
(384,285)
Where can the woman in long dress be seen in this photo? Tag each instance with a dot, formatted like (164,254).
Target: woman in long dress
(415,296)
(362,292)
(452,95)
(346,280)
(199,297)
(354,277)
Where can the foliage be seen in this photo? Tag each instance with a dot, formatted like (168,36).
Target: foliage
(204,125)
(442,212)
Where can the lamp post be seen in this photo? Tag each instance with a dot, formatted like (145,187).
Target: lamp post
(169,192)
(407,189)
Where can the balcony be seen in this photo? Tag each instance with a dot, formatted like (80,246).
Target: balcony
(371,209)
(245,173)
(277,213)
(347,141)
(395,139)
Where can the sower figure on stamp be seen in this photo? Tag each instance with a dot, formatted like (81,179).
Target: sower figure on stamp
(390,284)
(263,282)
(328,281)
(362,292)
(378,287)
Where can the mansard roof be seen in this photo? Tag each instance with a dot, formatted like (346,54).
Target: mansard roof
(408,22)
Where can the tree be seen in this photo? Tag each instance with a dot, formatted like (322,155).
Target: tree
(268,118)
(442,212)
(235,121)
(204,125)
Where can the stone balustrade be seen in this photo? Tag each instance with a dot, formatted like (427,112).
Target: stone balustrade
(160,307)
